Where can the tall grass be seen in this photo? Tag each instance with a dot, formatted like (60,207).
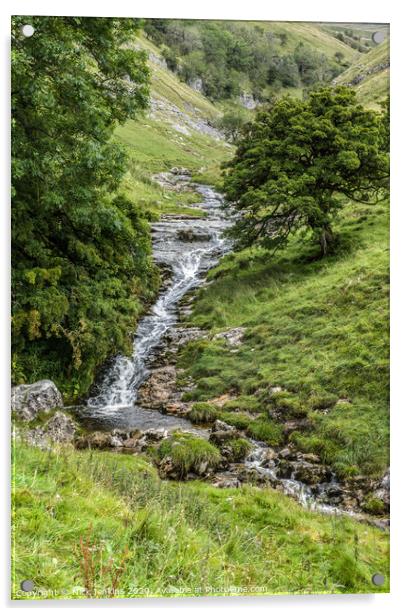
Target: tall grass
(99,523)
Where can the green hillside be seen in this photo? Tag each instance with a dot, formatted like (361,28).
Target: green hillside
(318,329)
(370,76)
(170,136)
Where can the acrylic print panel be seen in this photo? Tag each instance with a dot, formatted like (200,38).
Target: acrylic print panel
(200,307)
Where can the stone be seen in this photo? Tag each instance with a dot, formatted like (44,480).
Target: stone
(310,457)
(158,389)
(311,473)
(226,481)
(60,428)
(190,235)
(233,337)
(94,440)
(28,400)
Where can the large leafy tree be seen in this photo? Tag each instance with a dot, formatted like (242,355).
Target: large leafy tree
(80,250)
(298,159)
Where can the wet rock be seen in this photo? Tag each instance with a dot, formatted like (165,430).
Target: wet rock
(252,476)
(222,432)
(159,388)
(28,400)
(190,235)
(233,337)
(311,474)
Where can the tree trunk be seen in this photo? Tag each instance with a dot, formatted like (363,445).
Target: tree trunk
(325,240)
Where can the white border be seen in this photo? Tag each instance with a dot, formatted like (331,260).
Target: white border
(371,11)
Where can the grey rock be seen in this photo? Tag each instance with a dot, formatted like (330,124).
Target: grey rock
(28,400)
(233,337)
(60,428)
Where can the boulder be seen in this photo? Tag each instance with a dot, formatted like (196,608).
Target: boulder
(60,428)
(159,388)
(28,400)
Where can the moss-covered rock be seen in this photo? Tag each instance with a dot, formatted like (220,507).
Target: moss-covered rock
(181,454)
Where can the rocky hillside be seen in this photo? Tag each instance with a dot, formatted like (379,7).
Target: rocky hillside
(370,76)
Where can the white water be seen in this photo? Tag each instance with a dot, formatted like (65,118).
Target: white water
(188,260)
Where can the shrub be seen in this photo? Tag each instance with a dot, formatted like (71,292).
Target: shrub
(189,453)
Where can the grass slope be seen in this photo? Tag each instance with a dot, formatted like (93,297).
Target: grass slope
(142,536)
(165,140)
(313,34)
(317,328)
(374,87)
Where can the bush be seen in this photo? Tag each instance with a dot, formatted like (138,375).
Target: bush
(189,453)
(203,412)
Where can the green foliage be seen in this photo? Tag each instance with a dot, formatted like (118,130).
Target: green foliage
(192,535)
(188,453)
(234,57)
(203,413)
(81,262)
(296,159)
(231,124)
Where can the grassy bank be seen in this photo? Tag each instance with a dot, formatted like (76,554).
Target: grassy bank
(316,328)
(96,523)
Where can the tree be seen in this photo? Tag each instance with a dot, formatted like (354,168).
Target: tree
(80,250)
(231,124)
(296,161)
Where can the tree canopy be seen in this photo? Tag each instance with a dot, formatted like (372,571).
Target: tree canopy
(80,249)
(298,159)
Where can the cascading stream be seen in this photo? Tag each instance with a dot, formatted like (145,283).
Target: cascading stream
(188,260)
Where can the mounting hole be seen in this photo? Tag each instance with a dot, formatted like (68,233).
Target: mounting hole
(378,37)
(27,30)
(27,585)
(378,579)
